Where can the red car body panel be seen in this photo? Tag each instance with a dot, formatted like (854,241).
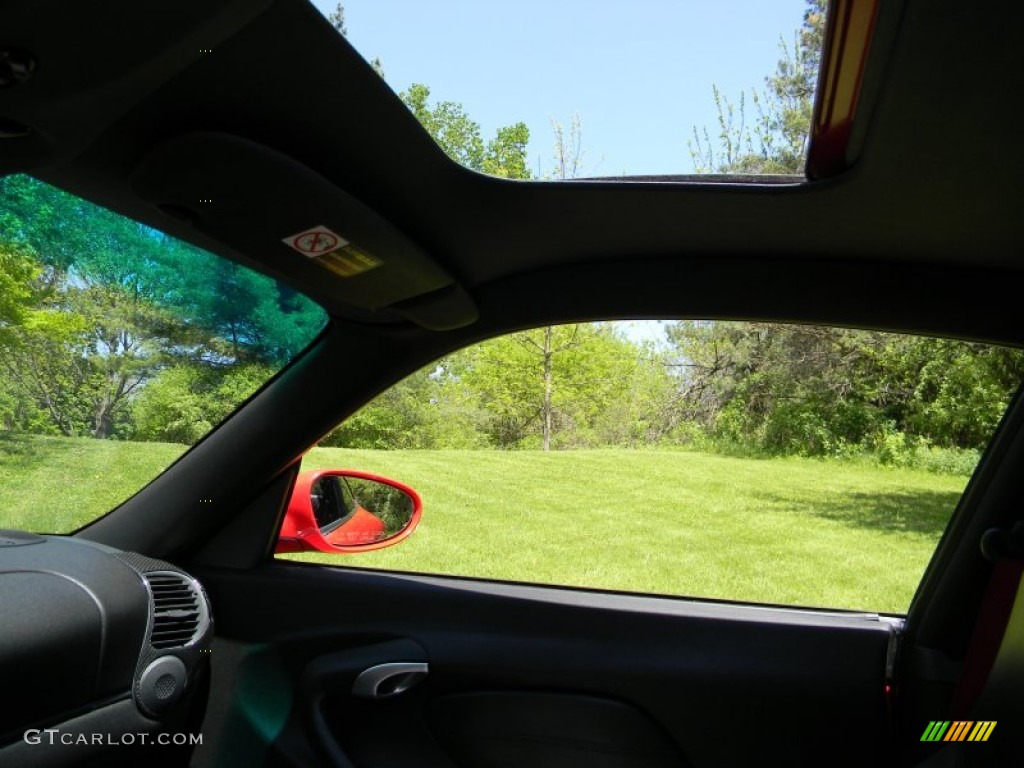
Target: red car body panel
(362,528)
(360,533)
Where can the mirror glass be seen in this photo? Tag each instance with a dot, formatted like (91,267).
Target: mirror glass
(355,510)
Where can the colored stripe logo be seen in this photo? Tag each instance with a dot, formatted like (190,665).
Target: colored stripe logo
(958,730)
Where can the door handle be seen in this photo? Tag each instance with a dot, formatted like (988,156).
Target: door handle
(334,674)
(383,681)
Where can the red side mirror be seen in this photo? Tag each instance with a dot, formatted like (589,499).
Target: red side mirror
(341,511)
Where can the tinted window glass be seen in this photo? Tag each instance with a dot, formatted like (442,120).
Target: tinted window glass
(119,347)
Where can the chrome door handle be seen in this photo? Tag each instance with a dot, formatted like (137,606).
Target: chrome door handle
(383,681)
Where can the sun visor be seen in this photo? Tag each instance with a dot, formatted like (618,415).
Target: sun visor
(277,211)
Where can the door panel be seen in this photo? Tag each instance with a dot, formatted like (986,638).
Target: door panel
(524,675)
(506,729)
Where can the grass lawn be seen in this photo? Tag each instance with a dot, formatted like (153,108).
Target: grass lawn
(58,484)
(795,531)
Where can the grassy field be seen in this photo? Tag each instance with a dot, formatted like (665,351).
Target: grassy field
(795,531)
(57,484)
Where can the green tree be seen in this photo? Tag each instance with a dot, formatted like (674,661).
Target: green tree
(90,338)
(40,368)
(646,411)
(99,304)
(950,393)
(84,352)
(174,407)
(432,408)
(548,387)
(814,390)
(18,272)
(460,137)
(186,401)
(562,387)
(784,389)
(768,132)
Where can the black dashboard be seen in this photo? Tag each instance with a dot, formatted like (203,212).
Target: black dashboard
(102,653)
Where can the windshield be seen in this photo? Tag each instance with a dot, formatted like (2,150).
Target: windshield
(120,347)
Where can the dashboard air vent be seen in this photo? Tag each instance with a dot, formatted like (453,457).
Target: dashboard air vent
(178,609)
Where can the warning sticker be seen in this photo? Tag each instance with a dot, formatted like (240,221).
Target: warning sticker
(316,241)
(331,250)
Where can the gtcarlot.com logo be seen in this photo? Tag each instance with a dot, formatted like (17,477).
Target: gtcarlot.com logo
(958,730)
(54,736)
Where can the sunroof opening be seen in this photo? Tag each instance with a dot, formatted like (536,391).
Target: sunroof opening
(575,89)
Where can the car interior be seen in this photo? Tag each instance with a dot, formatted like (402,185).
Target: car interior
(172,615)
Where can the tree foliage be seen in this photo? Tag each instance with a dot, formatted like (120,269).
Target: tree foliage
(461,138)
(547,387)
(814,391)
(187,400)
(95,306)
(562,386)
(18,272)
(768,132)
(430,409)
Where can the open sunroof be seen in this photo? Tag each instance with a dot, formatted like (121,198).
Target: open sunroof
(618,89)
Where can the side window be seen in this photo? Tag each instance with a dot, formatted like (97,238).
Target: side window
(755,462)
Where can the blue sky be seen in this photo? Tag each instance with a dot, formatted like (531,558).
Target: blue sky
(638,73)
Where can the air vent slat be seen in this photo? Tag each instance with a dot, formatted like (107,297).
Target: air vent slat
(177,611)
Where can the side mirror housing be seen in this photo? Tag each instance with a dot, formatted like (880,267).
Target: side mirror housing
(341,511)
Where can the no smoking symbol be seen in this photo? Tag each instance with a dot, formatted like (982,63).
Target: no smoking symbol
(316,241)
